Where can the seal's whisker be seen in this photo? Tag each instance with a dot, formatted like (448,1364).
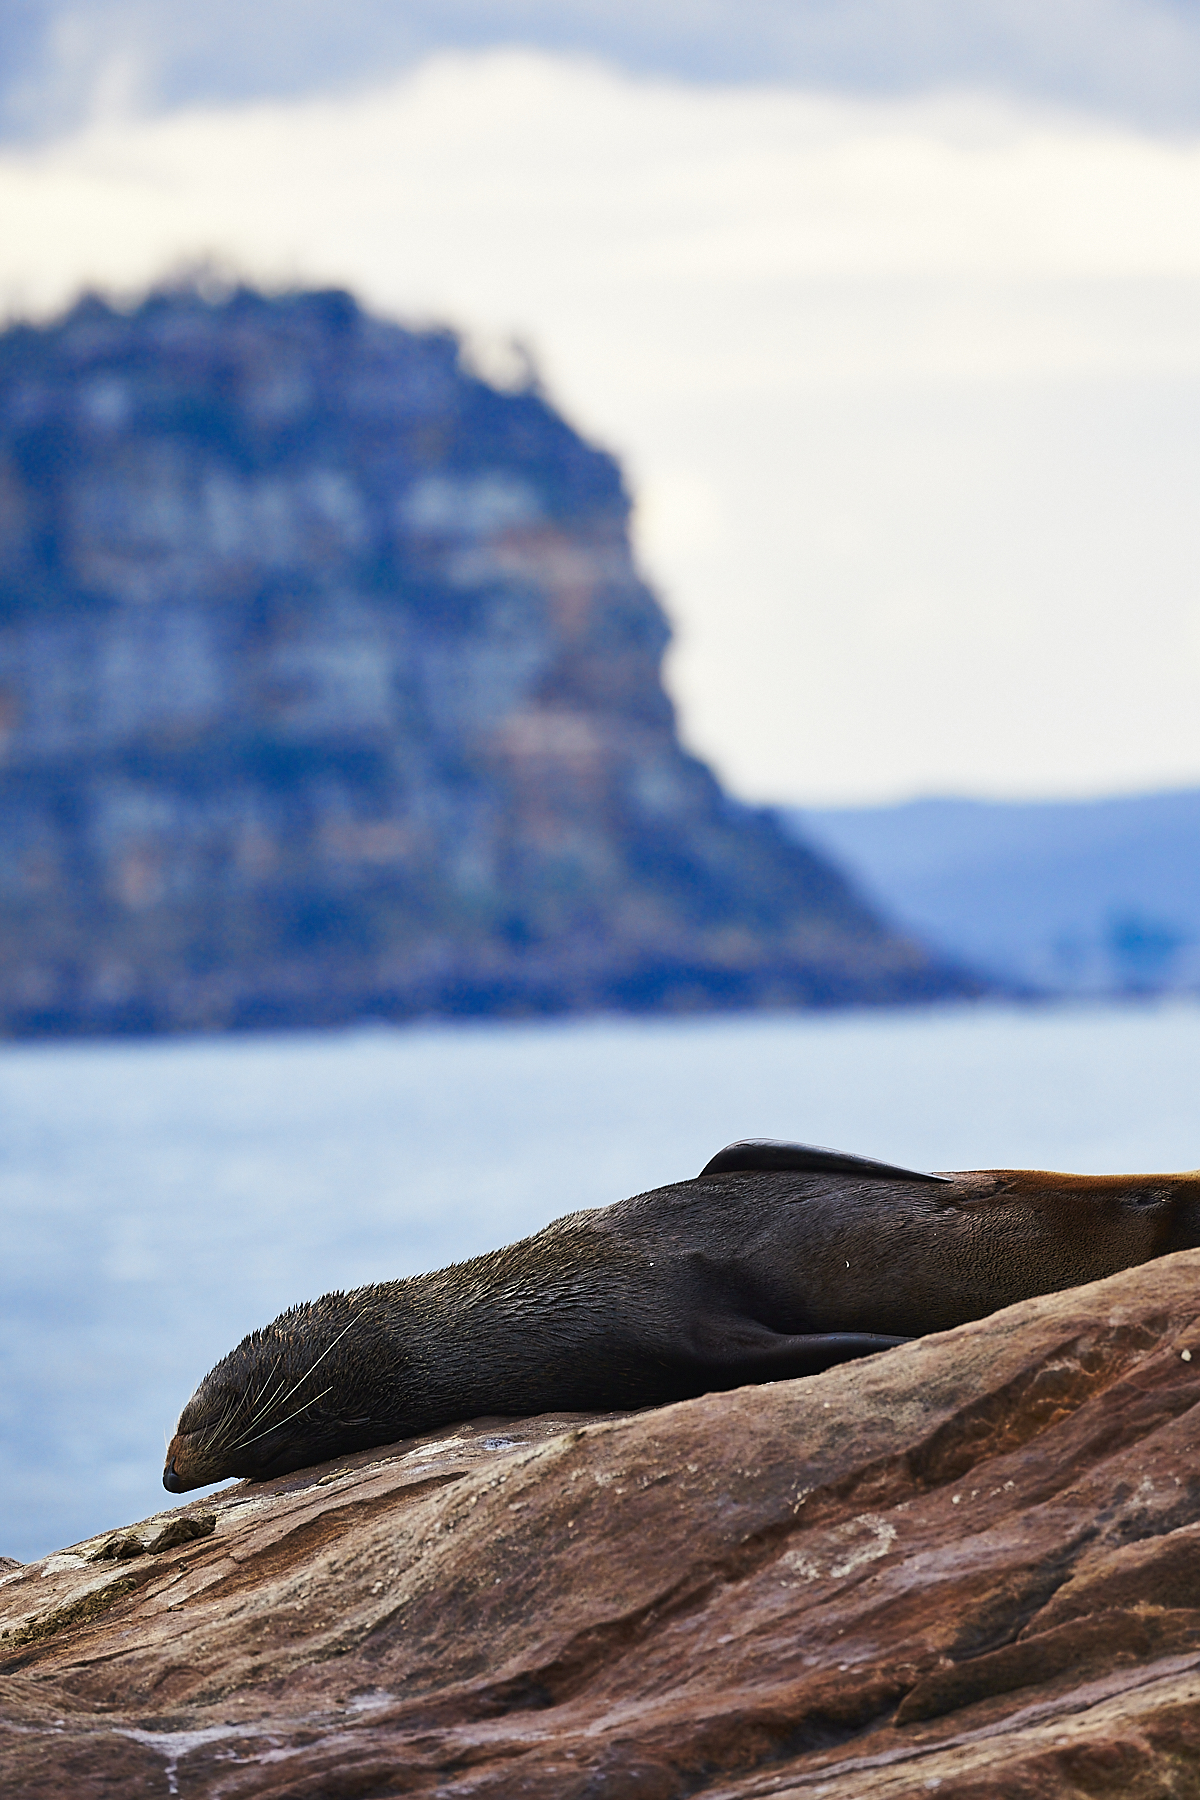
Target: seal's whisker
(267,1395)
(212,1435)
(241,1442)
(269,1392)
(287,1421)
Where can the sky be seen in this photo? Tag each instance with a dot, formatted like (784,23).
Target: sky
(891,312)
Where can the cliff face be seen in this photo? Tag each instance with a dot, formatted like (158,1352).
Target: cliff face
(328,686)
(968,1567)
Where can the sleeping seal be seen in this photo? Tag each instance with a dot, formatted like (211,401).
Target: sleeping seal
(777,1260)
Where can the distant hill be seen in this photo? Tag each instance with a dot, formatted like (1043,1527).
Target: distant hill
(328,688)
(1095,896)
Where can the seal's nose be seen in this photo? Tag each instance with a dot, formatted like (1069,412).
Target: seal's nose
(171,1480)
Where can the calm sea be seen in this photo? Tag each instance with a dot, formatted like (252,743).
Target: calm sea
(160,1199)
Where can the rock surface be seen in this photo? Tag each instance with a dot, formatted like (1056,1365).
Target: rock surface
(328,686)
(970,1567)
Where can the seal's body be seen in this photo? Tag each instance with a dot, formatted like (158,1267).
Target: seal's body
(776,1261)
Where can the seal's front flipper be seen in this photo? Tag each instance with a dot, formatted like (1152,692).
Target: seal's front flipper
(819,1350)
(750,1352)
(773,1154)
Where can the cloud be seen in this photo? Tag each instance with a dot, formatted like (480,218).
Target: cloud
(906,387)
(1134,59)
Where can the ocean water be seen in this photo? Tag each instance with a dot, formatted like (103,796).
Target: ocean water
(162,1198)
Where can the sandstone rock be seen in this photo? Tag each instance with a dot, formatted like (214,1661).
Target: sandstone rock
(328,686)
(970,1568)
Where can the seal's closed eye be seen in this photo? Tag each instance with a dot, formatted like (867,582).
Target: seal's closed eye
(774,1154)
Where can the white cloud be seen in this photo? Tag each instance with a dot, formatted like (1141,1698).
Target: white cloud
(909,387)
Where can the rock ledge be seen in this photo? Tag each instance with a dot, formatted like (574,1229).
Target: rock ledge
(970,1567)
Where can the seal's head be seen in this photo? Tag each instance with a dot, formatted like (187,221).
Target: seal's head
(293,1393)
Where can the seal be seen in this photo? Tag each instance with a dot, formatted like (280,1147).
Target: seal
(777,1260)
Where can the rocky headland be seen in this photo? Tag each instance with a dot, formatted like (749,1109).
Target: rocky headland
(969,1567)
(328,688)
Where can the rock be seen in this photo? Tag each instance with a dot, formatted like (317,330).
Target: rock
(328,687)
(970,1567)
(174,1533)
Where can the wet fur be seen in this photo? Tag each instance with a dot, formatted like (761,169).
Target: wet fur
(752,1274)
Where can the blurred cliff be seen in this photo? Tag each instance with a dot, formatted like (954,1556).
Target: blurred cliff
(328,688)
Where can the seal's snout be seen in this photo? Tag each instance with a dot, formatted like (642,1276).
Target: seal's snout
(185,1466)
